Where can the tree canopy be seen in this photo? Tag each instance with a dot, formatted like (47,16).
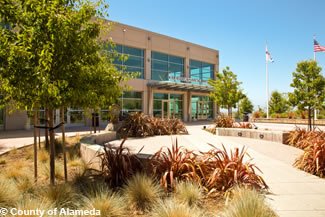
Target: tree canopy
(245,105)
(227,91)
(278,103)
(309,87)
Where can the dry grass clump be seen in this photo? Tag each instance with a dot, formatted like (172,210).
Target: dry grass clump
(172,208)
(109,204)
(142,192)
(61,196)
(313,160)
(26,185)
(59,170)
(243,125)
(140,125)
(247,203)
(31,204)
(43,156)
(9,193)
(257,114)
(189,193)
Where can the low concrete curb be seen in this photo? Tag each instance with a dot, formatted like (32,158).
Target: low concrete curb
(91,146)
(274,136)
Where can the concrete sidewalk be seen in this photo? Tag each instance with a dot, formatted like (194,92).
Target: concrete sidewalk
(19,138)
(294,192)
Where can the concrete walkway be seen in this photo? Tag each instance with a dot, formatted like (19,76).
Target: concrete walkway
(294,192)
(19,138)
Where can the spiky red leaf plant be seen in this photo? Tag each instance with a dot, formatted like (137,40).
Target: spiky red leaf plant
(118,164)
(302,138)
(313,160)
(224,171)
(172,165)
(136,125)
(224,121)
(243,125)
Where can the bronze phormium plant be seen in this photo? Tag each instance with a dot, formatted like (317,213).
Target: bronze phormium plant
(118,164)
(224,121)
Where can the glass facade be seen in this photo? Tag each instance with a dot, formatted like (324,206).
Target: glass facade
(197,102)
(130,101)
(163,66)
(77,116)
(158,99)
(135,60)
(201,71)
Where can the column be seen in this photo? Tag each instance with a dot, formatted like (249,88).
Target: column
(147,64)
(189,95)
(150,101)
(68,116)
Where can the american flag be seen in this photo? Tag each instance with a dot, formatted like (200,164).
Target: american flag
(318,47)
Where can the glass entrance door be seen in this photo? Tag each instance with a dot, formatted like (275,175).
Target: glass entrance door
(202,110)
(168,109)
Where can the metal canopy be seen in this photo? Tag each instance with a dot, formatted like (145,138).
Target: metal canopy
(179,86)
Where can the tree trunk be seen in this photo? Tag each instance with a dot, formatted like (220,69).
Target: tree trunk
(35,146)
(52,148)
(309,119)
(63,146)
(229,111)
(46,128)
(39,130)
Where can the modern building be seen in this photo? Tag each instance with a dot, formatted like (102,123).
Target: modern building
(172,79)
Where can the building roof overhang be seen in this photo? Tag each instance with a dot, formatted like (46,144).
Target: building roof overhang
(180,86)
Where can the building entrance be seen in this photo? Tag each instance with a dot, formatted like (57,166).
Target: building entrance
(202,110)
(168,109)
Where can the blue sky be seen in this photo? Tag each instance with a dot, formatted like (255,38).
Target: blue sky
(238,29)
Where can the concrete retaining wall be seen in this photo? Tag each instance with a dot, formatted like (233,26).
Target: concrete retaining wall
(287,121)
(91,146)
(274,136)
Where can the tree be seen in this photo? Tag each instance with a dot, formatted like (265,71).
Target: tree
(53,57)
(309,88)
(278,103)
(227,92)
(245,106)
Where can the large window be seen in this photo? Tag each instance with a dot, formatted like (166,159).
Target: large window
(130,101)
(158,98)
(201,71)
(163,66)
(135,60)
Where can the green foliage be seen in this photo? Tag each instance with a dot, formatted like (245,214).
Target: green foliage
(53,55)
(189,193)
(309,87)
(245,106)
(278,103)
(227,91)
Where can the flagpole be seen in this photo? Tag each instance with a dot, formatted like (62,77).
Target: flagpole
(267,88)
(315,110)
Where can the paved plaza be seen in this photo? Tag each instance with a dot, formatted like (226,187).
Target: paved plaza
(294,193)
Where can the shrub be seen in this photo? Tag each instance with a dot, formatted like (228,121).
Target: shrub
(302,138)
(119,164)
(243,125)
(224,171)
(246,202)
(313,160)
(257,114)
(189,192)
(224,121)
(109,204)
(142,192)
(170,208)
(291,115)
(171,165)
(61,196)
(140,125)
(320,116)
(9,193)
(283,115)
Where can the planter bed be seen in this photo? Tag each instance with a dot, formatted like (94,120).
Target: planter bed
(273,136)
